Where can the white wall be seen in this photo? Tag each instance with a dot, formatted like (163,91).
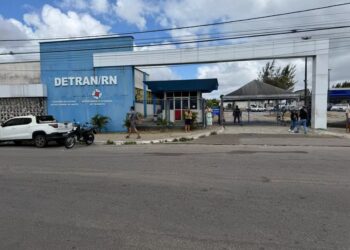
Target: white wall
(29,90)
(20,73)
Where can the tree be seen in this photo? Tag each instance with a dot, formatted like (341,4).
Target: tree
(213,103)
(280,77)
(345,84)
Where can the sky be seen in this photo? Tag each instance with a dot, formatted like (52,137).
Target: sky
(42,19)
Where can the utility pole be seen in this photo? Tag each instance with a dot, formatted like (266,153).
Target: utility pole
(305,81)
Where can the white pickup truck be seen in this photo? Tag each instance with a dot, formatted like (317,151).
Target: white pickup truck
(40,129)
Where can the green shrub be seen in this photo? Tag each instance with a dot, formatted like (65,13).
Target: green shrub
(100,121)
(109,142)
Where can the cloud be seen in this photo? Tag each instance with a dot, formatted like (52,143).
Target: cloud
(160,73)
(135,11)
(50,22)
(94,6)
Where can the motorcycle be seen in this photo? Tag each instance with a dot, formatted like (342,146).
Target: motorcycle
(80,133)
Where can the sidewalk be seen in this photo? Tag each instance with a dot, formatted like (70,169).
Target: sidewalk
(149,137)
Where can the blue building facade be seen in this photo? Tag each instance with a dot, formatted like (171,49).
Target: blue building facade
(78,91)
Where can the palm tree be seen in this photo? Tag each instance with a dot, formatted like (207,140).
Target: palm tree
(100,121)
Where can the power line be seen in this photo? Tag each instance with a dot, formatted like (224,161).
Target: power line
(183,27)
(293,31)
(161,66)
(239,32)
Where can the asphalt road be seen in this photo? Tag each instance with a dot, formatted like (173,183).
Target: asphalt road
(178,196)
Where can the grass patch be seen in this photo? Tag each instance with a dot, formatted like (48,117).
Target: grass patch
(130,143)
(109,142)
(184,139)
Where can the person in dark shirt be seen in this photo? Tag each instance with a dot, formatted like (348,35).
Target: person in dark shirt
(237,115)
(303,115)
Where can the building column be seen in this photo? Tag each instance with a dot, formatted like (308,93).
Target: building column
(319,91)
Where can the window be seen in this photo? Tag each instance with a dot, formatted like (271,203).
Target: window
(193,103)
(177,94)
(17,121)
(171,104)
(184,103)
(149,97)
(178,103)
(138,95)
(45,119)
(25,121)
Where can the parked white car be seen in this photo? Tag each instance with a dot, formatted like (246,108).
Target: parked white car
(256,108)
(339,107)
(39,129)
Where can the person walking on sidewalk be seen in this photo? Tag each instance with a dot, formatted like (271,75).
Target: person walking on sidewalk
(293,120)
(133,118)
(303,119)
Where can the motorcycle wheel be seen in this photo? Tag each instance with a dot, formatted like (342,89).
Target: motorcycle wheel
(89,139)
(70,142)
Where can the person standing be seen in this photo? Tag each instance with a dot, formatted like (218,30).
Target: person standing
(133,118)
(347,121)
(293,120)
(209,116)
(237,115)
(188,120)
(303,114)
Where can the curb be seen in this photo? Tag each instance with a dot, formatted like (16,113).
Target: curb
(165,140)
(347,136)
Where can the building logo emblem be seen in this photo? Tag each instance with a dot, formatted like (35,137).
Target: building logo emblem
(96,94)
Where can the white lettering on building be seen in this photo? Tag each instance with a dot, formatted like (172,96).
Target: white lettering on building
(83,81)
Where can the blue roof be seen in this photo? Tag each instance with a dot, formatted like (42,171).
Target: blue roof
(203,85)
(339,93)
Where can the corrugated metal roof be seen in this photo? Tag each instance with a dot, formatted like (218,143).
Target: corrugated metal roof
(258,90)
(203,85)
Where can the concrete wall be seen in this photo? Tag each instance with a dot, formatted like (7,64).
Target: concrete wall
(11,107)
(20,73)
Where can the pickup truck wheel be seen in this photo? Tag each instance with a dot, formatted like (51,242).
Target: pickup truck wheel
(40,141)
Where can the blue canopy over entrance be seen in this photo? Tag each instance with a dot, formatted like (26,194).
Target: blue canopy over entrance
(201,85)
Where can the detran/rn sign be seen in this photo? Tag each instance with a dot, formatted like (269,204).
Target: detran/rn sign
(85,81)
